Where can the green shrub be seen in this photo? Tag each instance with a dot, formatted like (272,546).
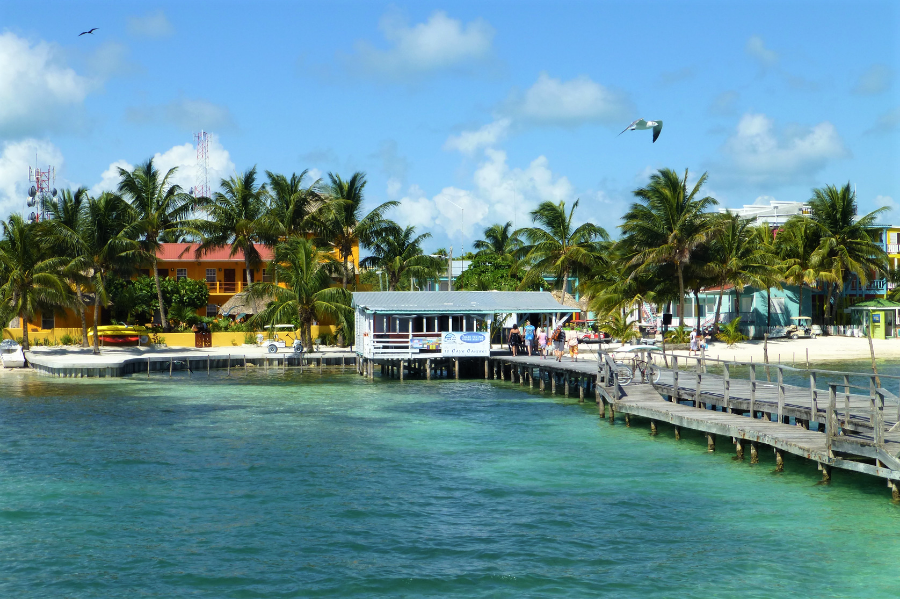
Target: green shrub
(68,339)
(730,333)
(679,335)
(249,338)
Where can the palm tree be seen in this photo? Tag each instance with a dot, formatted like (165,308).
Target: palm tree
(308,297)
(292,204)
(399,253)
(238,217)
(846,246)
(159,209)
(32,283)
(64,231)
(736,258)
(668,224)
(499,240)
(614,285)
(106,248)
(764,238)
(796,245)
(343,224)
(556,247)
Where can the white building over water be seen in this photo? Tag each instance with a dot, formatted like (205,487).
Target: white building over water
(776,213)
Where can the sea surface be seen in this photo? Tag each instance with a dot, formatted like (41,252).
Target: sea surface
(265,484)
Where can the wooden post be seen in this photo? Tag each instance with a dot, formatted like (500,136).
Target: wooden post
(710,442)
(541,377)
(627,419)
(486,369)
(228,368)
(428,369)
(726,387)
(813,399)
(779,461)
(207,365)
(826,472)
(401,370)
(846,401)
(830,419)
(739,448)
(601,406)
(754,452)
(752,393)
(895,489)
(170,367)
(677,429)
(566,383)
(653,430)
(675,378)
(780,394)
(612,414)
(580,390)
(148,367)
(456,368)
(552,383)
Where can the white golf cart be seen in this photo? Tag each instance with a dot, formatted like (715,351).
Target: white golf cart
(280,335)
(801,327)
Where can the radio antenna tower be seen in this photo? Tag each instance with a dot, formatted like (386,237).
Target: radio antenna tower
(41,192)
(201,189)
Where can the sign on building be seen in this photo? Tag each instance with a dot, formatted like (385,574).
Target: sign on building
(465,345)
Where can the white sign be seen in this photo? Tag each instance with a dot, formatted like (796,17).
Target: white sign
(465,345)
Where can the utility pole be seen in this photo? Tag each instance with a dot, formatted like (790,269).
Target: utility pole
(450,270)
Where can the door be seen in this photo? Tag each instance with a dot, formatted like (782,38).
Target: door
(889,323)
(229,286)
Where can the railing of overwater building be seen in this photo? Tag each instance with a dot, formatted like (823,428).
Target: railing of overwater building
(395,345)
(226,286)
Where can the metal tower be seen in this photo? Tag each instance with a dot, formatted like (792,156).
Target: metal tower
(201,189)
(41,192)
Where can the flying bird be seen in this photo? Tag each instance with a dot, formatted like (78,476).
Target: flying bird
(91,31)
(642,125)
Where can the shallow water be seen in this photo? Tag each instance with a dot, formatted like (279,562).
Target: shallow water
(289,485)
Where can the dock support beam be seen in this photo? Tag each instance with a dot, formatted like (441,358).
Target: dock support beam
(895,489)
(779,461)
(653,430)
(826,472)
(739,449)
(627,419)
(428,369)
(710,442)
(754,452)
(487,370)
(677,433)
(456,368)
(601,407)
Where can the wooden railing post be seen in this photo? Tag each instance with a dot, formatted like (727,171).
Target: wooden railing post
(753,391)
(675,378)
(726,387)
(813,397)
(878,420)
(780,395)
(846,401)
(830,418)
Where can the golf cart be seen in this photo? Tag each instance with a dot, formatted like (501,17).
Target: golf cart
(281,334)
(801,327)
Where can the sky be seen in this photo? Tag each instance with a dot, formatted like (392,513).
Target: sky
(467,113)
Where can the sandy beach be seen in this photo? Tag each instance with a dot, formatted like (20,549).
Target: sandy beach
(821,349)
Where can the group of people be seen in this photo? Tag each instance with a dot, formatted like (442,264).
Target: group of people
(539,340)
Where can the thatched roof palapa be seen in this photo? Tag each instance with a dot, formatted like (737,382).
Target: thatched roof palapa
(240,303)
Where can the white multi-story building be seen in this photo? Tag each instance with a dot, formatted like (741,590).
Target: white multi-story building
(776,213)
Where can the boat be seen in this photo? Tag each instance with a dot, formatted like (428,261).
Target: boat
(118,334)
(11,354)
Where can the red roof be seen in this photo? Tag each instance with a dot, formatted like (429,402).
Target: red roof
(184,252)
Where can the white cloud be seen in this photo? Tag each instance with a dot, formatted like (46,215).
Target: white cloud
(393,187)
(38,92)
(759,155)
(888,121)
(313,175)
(756,48)
(877,79)
(184,157)
(569,103)
(440,43)
(499,194)
(885,202)
(469,142)
(15,158)
(152,25)
(188,114)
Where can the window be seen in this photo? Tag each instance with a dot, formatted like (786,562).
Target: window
(212,310)
(746,303)
(47,320)
(162,272)
(266,277)
(210,275)
(181,273)
(777,305)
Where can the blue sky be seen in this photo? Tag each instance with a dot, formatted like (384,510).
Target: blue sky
(478,110)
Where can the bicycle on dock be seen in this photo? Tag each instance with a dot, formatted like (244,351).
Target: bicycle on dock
(636,363)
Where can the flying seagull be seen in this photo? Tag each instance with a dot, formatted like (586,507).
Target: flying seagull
(90,31)
(642,125)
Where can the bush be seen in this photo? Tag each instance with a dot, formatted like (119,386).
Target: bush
(249,338)
(68,339)
(730,333)
(679,335)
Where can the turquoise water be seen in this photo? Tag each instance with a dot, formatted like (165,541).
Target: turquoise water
(271,485)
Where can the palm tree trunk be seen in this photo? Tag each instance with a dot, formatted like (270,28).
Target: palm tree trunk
(344,275)
(768,307)
(680,296)
(565,284)
(827,310)
(697,310)
(159,297)
(800,303)
(718,308)
(97,319)
(84,338)
(24,322)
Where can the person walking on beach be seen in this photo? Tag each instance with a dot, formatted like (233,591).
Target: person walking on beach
(559,342)
(572,342)
(694,348)
(542,342)
(529,336)
(515,338)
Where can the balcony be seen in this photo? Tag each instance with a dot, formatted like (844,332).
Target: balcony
(225,287)
(893,248)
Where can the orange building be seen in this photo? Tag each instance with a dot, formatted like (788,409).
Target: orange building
(224,275)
